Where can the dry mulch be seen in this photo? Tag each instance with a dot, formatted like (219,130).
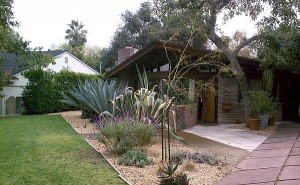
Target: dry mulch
(265,131)
(202,174)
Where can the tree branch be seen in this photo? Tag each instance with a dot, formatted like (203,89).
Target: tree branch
(212,31)
(245,43)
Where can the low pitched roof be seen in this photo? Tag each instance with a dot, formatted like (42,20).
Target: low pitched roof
(15,64)
(155,53)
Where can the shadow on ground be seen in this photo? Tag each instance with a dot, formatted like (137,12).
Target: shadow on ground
(233,155)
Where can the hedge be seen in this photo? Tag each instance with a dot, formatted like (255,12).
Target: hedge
(42,94)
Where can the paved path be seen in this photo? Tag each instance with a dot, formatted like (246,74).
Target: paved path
(229,134)
(275,161)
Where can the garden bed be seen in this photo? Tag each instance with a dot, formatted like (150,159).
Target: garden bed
(202,174)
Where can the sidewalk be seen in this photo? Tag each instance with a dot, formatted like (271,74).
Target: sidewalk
(228,134)
(275,161)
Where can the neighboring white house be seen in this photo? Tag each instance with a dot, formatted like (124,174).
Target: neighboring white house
(11,96)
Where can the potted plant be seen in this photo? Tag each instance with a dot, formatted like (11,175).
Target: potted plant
(268,107)
(261,106)
(272,112)
(252,104)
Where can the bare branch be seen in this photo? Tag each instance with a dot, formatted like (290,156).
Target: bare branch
(245,43)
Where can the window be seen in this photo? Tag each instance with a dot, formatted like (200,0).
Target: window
(66,60)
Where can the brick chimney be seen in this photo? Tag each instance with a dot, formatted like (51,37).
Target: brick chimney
(125,53)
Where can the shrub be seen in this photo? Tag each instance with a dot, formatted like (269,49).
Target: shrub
(135,158)
(144,105)
(123,136)
(259,103)
(198,158)
(64,80)
(170,177)
(177,179)
(42,94)
(39,94)
(92,96)
(177,157)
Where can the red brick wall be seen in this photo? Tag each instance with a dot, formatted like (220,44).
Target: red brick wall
(125,53)
(186,116)
(228,93)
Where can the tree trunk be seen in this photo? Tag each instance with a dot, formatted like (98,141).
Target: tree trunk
(237,70)
(239,75)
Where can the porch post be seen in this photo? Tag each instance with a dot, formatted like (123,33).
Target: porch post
(192,90)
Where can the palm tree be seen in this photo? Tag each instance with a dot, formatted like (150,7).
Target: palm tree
(75,34)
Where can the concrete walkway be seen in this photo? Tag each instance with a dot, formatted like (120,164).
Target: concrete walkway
(228,134)
(275,161)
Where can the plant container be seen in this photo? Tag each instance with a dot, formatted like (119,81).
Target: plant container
(264,120)
(226,106)
(271,120)
(254,123)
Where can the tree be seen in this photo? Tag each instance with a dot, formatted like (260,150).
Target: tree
(281,48)
(6,14)
(143,27)
(76,35)
(9,39)
(236,39)
(204,14)
(92,56)
(137,29)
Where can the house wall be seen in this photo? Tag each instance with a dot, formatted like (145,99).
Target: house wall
(14,89)
(21,81)
(68,61)
(228,93)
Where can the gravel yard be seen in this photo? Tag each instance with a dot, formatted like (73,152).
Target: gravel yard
(202,173)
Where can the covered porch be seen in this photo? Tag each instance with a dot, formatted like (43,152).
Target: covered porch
(218,102)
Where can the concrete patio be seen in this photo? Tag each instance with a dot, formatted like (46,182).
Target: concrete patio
(275,161)
(229,134)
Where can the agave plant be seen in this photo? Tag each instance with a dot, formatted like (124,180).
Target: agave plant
(92,95)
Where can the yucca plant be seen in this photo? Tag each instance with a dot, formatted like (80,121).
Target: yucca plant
(143,105)
(92,95)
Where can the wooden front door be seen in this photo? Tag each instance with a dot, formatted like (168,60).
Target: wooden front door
(209,103)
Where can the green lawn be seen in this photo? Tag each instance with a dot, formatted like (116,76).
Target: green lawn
(46,150)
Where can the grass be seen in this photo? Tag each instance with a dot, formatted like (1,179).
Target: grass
(45,149)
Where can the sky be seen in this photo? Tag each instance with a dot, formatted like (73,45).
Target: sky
(43,22)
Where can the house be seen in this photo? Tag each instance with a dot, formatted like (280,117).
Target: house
(220,103)
(11,96)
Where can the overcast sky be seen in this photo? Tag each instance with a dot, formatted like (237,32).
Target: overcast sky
(43,22)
